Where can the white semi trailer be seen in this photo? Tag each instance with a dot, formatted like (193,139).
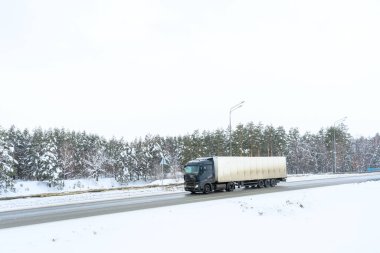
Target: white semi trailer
(216,173)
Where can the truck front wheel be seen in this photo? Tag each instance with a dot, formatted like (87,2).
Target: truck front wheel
(206,189)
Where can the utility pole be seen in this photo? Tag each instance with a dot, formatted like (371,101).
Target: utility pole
(233,108)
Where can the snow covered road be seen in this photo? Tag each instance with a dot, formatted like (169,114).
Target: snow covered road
(79,210)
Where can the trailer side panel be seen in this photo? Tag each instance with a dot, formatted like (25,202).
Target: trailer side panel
(233,169)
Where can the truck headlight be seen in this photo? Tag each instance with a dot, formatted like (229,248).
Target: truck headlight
(196,186)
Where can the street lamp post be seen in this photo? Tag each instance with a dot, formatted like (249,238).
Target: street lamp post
(233,108)
(340,121)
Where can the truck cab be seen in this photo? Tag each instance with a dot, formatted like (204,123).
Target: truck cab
(199,175)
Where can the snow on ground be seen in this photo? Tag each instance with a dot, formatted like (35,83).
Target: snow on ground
(340,218)
(34,187)
(303,177)
(25,188)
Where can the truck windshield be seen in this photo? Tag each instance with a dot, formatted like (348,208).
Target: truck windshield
(191,169)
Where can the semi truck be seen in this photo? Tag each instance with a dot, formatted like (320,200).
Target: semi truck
(219,173)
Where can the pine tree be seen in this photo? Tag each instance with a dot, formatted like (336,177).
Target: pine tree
(12,136)
(171,152)
(96,157)
(255,138)
(269,135)
(22,143)
(374,162)
(33,162)
(66,154)
(126,163)
(321,152)
(294,154)
(279,145)
(150,156)
(342,147)
(146,156)
(207,144)
(82,152)
(238,137)
(50,166)
(7,163)
(192,147)
(308,148)
(220,143)
(116,156)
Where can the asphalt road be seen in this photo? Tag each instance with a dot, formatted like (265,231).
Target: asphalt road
(72,211)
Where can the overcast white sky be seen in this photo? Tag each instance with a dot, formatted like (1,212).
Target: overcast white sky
(129,68)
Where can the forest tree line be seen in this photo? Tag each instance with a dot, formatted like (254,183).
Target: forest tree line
(55,155)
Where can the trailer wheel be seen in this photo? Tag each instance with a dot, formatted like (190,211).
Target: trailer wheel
(230,187)
(266,183)
(206,189)
(273,182)
(260,184)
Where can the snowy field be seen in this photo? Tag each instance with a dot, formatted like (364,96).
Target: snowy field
(342,218)
(71,186)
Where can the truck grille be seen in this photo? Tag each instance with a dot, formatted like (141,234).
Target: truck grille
(190,184)
(189,180)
